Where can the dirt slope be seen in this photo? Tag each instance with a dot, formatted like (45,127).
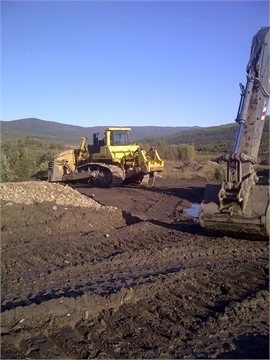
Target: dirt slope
(139,281)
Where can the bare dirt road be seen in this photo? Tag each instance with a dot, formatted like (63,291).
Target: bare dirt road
(142,281)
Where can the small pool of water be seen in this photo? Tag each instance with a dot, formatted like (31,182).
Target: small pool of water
(193,210)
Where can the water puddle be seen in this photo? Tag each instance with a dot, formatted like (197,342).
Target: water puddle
(193,210)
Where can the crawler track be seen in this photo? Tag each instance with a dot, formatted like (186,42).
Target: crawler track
(103,175)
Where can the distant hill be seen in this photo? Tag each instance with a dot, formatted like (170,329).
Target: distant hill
(217,139)
(55,131)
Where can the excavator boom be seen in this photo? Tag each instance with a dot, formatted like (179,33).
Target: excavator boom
(241,203)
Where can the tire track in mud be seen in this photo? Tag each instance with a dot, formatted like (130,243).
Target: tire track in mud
(173,306)
(155,329)
(104,284)
(156,287)
(102,275)
(172,316)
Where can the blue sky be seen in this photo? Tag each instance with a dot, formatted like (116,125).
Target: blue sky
(126,63)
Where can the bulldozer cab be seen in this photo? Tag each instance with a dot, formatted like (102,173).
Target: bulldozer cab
(119,138)
(112,137)
(113,147)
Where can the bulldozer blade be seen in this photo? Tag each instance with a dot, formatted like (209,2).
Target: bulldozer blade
(254,221)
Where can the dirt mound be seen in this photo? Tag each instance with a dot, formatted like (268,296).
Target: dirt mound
(204,169)
(31,192)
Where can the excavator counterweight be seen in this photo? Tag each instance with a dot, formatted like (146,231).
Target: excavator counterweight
(241,203)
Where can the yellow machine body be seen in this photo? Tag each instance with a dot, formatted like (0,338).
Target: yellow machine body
(110,161)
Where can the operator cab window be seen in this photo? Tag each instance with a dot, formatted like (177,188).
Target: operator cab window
(120,138)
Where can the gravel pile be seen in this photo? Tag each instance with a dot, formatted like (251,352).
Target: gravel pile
(30,192)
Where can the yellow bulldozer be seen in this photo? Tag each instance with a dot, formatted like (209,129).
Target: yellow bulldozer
(111,161)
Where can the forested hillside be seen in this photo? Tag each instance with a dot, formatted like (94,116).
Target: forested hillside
(23,156)
(216,139)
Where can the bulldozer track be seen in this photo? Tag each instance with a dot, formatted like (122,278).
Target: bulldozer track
(86,281)
(165,315)
(117,174)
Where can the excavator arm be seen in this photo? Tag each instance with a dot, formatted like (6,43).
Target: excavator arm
(241,203)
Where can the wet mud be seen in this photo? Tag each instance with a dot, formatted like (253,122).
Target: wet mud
(142,281)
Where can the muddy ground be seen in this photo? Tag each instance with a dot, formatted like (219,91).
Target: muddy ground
(142,281)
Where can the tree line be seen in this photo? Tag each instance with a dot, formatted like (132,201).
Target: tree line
(216,139)
(26,157)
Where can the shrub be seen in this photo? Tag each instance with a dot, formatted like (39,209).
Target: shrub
(218,174)
(5,172)
(186,152)
(25,158)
